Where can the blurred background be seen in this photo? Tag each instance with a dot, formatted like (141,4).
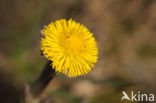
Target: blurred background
(124,29)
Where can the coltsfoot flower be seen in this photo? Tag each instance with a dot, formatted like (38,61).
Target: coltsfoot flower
(70,46)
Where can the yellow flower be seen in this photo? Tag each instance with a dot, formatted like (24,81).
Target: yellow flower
(70,46)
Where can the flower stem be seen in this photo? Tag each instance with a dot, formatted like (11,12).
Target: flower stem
(44,79)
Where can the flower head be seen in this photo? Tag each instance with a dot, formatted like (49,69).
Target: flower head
(70,46)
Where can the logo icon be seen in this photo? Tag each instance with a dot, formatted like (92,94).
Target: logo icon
(125,96)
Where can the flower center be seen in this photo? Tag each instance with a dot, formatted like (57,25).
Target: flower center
(72,43)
